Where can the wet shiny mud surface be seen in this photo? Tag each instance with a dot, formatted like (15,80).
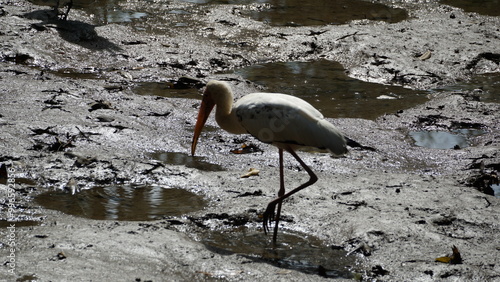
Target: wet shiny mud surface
(97,116)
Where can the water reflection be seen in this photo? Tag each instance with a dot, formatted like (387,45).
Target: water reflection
(438,139)
(76,74)
(281,12)
(175,158)
(166,89)
(325,85)
(304,13)
(445,140)
(483,7)
(108,11)
(487,86)
(123,202)
(24,223)
(102,11)
(496,190)
(318,12)
(117,16)
(295,251)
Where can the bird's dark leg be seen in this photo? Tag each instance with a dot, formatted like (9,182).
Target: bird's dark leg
(281,192)
(268,217)
(70,4)
(268,214)
(56,9)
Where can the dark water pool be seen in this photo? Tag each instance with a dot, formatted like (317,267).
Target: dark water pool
(276,12)
(295,251)
(123,202)
(483,7)
(326,86)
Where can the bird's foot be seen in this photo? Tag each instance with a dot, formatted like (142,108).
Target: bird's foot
(268,216)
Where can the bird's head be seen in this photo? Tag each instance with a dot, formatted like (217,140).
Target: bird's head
(207,104)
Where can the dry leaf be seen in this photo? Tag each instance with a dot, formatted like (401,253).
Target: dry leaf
(251,172)
(454,258)
(425,55)
(444,259)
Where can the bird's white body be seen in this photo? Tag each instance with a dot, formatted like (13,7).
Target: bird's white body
(275,118)
(283,119)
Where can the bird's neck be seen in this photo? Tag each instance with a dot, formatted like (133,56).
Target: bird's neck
(226,116)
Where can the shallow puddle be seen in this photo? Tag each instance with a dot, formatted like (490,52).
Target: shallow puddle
(101,11)
(317,12)
(166,89)
(17,181)
(496,190)
(120,16)
(323,12)
(295,251)
(483,7)
(123,202)
(76,74)
(325,85)
(23,223)
(487,87)
(444,140)
(175,158)
(280,13)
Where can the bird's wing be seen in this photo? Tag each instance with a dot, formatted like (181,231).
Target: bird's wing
(284,119)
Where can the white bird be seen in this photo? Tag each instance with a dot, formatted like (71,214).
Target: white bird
(284,121)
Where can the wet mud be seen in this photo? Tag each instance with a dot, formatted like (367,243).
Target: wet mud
(79,111)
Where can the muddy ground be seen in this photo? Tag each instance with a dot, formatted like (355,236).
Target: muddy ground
(395,208)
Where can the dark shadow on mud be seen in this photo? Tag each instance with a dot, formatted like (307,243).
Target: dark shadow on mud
(294,251)
(75,32)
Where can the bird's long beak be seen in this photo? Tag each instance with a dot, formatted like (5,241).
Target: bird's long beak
(207,104)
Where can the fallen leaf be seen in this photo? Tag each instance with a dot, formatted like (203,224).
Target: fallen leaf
(444,259)
(251,172)
(425,55)
(454,258)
